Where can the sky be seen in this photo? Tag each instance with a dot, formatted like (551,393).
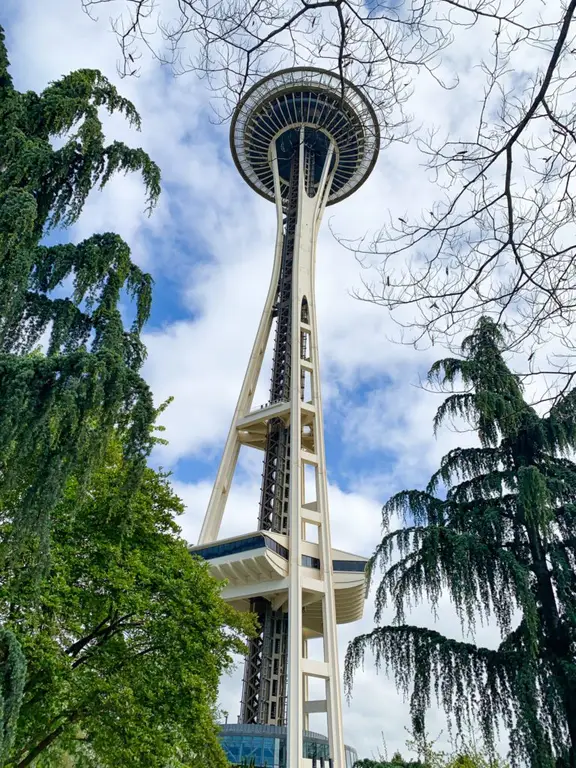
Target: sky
(209,247)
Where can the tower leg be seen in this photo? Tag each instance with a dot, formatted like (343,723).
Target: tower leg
(278,668)
(307,451)
(219,496)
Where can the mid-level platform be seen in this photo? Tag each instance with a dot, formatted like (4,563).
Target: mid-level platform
(256,565)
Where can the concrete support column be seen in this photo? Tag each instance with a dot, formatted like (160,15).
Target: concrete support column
(305,362)
(221,489)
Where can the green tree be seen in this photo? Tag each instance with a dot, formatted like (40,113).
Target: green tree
(58,411)
(470,754)
(502,542)
(126,636)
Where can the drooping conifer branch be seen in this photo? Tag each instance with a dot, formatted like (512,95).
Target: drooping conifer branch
(58,411)
(418,658)
(496,531)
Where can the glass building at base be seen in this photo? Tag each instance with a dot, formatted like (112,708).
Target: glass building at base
(266,745)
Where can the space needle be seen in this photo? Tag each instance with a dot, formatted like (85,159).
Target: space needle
(303,138)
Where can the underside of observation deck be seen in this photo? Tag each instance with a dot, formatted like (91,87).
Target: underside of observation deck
(331,109)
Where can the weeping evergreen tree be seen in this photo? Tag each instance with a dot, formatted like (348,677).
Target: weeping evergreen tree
(57,411)
(501,541)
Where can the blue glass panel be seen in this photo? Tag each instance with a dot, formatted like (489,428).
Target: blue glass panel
(257,542)
(268,743)
(252,748)
(349,565)
(275,547)
(230,547)
(231,747)
(282,761)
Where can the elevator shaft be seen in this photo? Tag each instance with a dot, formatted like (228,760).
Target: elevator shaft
(265,671)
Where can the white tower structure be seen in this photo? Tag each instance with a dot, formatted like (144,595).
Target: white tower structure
(304,139)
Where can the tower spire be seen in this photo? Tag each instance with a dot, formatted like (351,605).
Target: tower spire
(299,140)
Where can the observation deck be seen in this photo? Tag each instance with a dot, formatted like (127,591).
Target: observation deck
(331,110)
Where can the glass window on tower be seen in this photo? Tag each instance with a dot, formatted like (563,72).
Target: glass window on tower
(316,749)
(232,746)
(268,752)
(351,757)
(252,748)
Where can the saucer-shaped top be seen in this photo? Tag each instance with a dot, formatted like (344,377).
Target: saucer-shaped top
(331,111)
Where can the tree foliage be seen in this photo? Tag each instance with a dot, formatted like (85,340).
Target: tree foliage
(13,671)
(502,543)
(126,636)
(468,754)
(397,761)
(58,411)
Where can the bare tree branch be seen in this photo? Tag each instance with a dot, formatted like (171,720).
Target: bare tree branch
(501,240)
(499,236)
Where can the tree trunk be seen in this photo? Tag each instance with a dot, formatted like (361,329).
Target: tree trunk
(47,741)
(556,642)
